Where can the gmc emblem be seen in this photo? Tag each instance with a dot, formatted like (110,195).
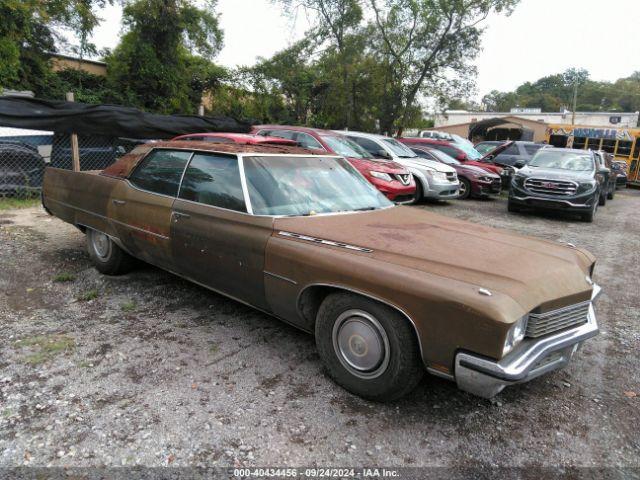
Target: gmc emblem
(549,185)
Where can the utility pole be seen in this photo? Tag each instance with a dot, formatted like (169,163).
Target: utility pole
(575,101)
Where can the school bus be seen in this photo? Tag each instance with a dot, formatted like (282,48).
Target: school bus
(624,143)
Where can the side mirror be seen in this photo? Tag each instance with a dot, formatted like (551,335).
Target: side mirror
(461,156)
(489,157)
(383,153)
(519,163)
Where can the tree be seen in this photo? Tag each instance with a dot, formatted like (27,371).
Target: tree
(427,44)
(156,61)
(27,36)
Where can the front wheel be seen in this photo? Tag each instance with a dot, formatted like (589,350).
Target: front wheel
(106,256)
(465,189)
(512,207)
(602,199)
(588,217)
(368,348)
(612,192)
(419,193)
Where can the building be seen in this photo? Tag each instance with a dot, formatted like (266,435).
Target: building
(63,62)
(524,124)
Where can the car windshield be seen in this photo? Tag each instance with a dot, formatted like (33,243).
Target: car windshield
(485,148)
(471,152)
(398,149)
(562,160)
(444,158)
(298,186)
(345,147)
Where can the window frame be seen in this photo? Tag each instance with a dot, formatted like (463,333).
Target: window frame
(243,179)
(245,192)
(149,153)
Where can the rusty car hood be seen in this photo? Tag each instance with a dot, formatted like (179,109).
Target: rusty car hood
(534,273)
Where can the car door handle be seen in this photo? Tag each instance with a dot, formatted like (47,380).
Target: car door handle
(180,215)
(118,202)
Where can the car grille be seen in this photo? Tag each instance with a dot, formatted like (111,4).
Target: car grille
(540,324)
(452,177)
(550,187)
(404,178)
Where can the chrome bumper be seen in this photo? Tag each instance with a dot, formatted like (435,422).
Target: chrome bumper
(530,359)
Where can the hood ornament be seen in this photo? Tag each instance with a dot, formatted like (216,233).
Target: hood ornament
(484,291)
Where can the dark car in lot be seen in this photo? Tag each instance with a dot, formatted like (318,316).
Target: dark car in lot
(474,181)
(621,173)
(560,179)
(21,168)
(513,154)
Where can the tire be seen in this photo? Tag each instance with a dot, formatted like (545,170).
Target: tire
(588,217)
(602,199)
(106,256)
(612,193)
(419,196)
(466,184)
(512,207)
(394,368)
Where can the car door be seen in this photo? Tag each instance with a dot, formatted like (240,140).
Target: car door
(215,242)
(141,207)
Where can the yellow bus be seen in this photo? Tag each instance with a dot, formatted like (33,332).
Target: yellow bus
(624,143)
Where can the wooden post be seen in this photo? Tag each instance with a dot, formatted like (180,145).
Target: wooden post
(75,149)
(201,110)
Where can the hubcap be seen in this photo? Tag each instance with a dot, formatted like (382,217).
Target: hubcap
(101,244)
(361,344)
(463,188)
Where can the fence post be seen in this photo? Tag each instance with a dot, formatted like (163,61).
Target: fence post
(75,150)
(201,110)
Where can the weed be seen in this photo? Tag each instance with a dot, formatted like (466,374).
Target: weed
(64,277)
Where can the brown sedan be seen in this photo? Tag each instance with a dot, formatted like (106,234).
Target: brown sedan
(388,291)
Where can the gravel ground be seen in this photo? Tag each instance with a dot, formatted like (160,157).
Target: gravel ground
(147,369)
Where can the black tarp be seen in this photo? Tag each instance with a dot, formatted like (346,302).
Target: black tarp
(106,120)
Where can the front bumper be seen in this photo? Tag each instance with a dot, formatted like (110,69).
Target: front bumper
(579,203)
(442,190)
(530,359)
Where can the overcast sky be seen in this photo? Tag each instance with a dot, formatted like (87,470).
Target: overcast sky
(540,38)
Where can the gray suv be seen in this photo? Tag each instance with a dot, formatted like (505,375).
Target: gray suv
(560,179)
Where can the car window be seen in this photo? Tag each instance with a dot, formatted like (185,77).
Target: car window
(214,180)
(288,134)
(532,148)
(160,171)
(452,152)
(369,145)
(510,150)
(307,141)
(218,140)
(191,139)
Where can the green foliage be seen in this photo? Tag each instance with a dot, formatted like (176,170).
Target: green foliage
(153,64)
(26,37)
(555,92)
(64,277)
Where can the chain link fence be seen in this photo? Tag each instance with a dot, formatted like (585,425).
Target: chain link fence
(24,158)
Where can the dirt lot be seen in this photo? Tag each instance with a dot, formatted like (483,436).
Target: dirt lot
(149,369)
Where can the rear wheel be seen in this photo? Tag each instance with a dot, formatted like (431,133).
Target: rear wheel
(465,189)
(107,257)
(368,348)
(612,192)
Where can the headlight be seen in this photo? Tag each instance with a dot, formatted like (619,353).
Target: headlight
(381,175)
(515,335)
(484,179)
(587,185)
(439,176)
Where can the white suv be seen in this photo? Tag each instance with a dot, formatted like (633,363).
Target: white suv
(434,180)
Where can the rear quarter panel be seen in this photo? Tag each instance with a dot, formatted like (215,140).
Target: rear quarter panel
(80,198)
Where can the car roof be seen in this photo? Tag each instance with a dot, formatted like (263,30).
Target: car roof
(572,150)
(373,136)
(237,137)
(312,130)
(125,165)
(425,141)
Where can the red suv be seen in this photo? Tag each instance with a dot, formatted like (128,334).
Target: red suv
(241,138)
(392,179)
(453,151)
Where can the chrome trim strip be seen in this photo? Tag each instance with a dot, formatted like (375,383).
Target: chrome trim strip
(108,219)
(556,200)
(243,182)
(364,294)
(280,277)
(324,241)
